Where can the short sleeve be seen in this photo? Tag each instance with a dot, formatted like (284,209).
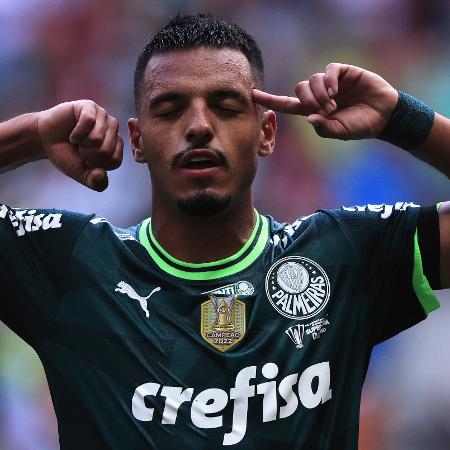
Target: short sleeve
(35,249)
(385,239)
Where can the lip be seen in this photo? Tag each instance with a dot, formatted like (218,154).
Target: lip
(200,172)
(199,153)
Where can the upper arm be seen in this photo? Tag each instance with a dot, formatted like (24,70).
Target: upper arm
(444,232)
(35,250)
(398,247)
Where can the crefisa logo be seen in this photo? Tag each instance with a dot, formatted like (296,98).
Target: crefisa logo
(297,287)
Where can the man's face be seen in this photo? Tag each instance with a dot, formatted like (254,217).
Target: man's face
(199,130)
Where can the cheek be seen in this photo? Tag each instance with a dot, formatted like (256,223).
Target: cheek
(246,154)
(154,147)
(162,141)
(247,134)
(255,135)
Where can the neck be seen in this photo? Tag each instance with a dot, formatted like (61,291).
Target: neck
(199,239)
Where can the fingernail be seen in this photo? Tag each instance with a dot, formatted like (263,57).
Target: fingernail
(313,122)
(330,92)
(99,177)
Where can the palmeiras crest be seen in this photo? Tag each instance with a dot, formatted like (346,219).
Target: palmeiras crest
(223,321)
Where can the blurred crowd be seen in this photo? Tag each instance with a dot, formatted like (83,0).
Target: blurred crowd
(58,50)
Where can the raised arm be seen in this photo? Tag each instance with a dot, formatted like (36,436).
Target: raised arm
(79,138)
(348,102)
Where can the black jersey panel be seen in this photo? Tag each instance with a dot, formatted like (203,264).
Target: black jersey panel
(35,248)
(384,238)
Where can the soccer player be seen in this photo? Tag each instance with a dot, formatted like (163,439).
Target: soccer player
(210,325)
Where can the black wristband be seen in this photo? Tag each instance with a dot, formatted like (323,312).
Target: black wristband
(409,124)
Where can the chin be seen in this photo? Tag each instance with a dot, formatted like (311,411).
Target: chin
(204,203)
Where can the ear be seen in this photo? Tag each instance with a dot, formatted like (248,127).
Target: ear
(136,141)
(267,133)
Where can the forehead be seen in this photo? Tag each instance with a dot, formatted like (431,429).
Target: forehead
(198,68)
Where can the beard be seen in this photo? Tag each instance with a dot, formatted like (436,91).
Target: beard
(205,203)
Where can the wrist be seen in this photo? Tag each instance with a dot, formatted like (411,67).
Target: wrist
(409,124)
(38,145)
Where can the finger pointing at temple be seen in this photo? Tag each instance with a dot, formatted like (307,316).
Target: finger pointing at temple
(279,103)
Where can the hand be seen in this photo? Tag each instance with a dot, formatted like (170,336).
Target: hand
(345,102)
(82,141)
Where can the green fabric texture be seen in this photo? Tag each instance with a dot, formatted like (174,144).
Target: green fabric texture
(421,286)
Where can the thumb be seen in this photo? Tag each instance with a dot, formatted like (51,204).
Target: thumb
(96,179)
(327,127)
(66,158)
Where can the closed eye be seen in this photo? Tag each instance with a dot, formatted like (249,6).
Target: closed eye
(227,110)
(168,113)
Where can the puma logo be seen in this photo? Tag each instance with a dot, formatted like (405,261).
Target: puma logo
(125,288)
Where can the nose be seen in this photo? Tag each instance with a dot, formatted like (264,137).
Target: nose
(199,128)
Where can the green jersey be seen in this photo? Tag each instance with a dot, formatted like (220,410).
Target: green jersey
(265,349)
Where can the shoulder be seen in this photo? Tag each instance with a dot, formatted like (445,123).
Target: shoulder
(376,211)
(345,219)
(36,222)
(101,225)
(27,221)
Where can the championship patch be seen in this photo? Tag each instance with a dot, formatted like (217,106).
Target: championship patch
(315,329)
(223,321)
(297,287)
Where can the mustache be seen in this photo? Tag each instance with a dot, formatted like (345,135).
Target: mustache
(220,155)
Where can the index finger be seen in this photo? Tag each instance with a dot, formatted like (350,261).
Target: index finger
(280,103)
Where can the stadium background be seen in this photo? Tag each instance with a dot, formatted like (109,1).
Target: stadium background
(57,50)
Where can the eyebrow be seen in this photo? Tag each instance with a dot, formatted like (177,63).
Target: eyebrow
(167,97)
(216,93)
(229,93)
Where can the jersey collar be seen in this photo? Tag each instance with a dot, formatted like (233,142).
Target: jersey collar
(238,262)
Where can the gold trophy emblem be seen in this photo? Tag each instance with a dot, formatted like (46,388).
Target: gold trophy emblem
(223,313)
(222,321)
